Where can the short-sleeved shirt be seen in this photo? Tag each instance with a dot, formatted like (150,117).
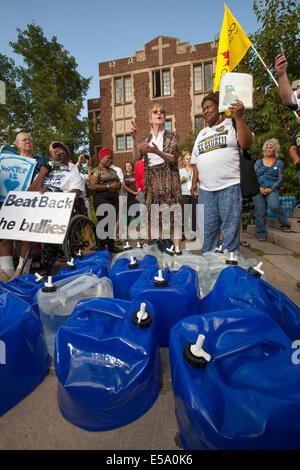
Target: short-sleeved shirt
(296,142)
(216,154)
(129,181)
(105,175)
(65,179)
(186,186)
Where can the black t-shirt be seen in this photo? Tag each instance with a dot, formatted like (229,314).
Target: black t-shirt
(296,141)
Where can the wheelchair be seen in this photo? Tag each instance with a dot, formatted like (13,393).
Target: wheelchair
(80,238)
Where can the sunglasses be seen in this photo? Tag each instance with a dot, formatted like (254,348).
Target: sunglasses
(57,152)
(161,111)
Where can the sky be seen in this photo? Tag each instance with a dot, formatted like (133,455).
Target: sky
(96,31)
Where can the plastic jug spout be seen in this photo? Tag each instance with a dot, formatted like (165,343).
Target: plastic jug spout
(48,286)
(256,270)
(170,251)
(70,264)
(178,251)
(195,354)
(126,246)
(142,318)
(232,259)
(159,280)
(133,263)
(219,249)
(39,278)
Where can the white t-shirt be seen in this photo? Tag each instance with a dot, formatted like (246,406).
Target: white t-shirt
(154,159)
(296,98)
(216,155)
(65,180)
(119,173)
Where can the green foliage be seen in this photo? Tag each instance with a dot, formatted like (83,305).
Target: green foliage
(46,94)
(279,25)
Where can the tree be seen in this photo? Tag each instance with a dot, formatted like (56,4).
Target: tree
(51,92)
(12,114)
(279,25)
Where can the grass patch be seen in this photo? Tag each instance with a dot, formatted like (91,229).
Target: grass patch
(256,251)
(296,255)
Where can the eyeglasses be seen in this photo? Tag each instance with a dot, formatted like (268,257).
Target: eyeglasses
(161,111)
(57,152)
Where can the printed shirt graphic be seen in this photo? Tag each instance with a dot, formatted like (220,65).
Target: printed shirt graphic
(65,180)
(216,155)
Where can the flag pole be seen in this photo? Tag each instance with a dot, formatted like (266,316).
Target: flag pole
(269,72)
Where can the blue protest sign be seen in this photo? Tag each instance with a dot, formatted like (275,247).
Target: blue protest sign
(15,173)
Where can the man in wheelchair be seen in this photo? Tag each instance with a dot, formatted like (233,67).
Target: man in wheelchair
(59,175)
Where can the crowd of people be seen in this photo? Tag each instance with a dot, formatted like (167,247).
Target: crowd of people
(154,178)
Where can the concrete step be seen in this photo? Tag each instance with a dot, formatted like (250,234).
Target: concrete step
(293,221)
(290,241)
(297,213)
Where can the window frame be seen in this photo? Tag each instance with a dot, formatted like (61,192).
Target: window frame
(122,80)
(203,81)
(162,82)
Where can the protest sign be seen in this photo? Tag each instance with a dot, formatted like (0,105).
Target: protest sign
(15,173)
(36,217)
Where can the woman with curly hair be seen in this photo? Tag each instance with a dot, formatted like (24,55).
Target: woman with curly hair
(161,175)
(270,174)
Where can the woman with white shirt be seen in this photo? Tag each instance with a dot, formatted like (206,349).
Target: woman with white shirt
(189,203)
(161,173)
(216,164)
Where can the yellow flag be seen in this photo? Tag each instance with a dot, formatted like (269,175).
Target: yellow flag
(233,45)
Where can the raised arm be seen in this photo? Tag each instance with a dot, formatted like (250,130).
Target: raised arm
(285,88)
(245,136)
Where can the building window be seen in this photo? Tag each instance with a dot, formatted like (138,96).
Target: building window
(168,124)
(198,78)
(124,142)
(120,142)
(203,77)
(161,80)
(128,142)
(98,122)
(199,123)
(208,76)
(123,92)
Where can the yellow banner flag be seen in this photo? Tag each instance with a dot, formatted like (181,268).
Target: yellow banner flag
(233,45)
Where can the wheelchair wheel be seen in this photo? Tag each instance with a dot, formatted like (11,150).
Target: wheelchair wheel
(80,237)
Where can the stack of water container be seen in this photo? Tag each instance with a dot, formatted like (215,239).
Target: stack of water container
(288,204)
(231,336)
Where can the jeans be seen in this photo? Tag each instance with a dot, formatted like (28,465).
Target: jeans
(222,213)
(191,202)
(260,209)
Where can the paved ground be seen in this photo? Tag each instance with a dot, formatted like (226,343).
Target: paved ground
(36,423)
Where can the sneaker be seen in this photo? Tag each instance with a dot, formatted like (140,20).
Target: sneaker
(3,276)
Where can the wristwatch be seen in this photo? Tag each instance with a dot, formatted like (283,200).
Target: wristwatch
(107,186)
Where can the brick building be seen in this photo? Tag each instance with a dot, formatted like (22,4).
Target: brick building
(175,74)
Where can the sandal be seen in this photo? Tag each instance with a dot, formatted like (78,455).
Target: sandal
(286,230)
(262,239)
(244,243)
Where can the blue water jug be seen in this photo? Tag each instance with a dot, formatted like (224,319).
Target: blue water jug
(24,359)
(125,272)
(97,263)
(174,294)
(236,382)
(24,287)
(238,288)
(107,363)
(57,300)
